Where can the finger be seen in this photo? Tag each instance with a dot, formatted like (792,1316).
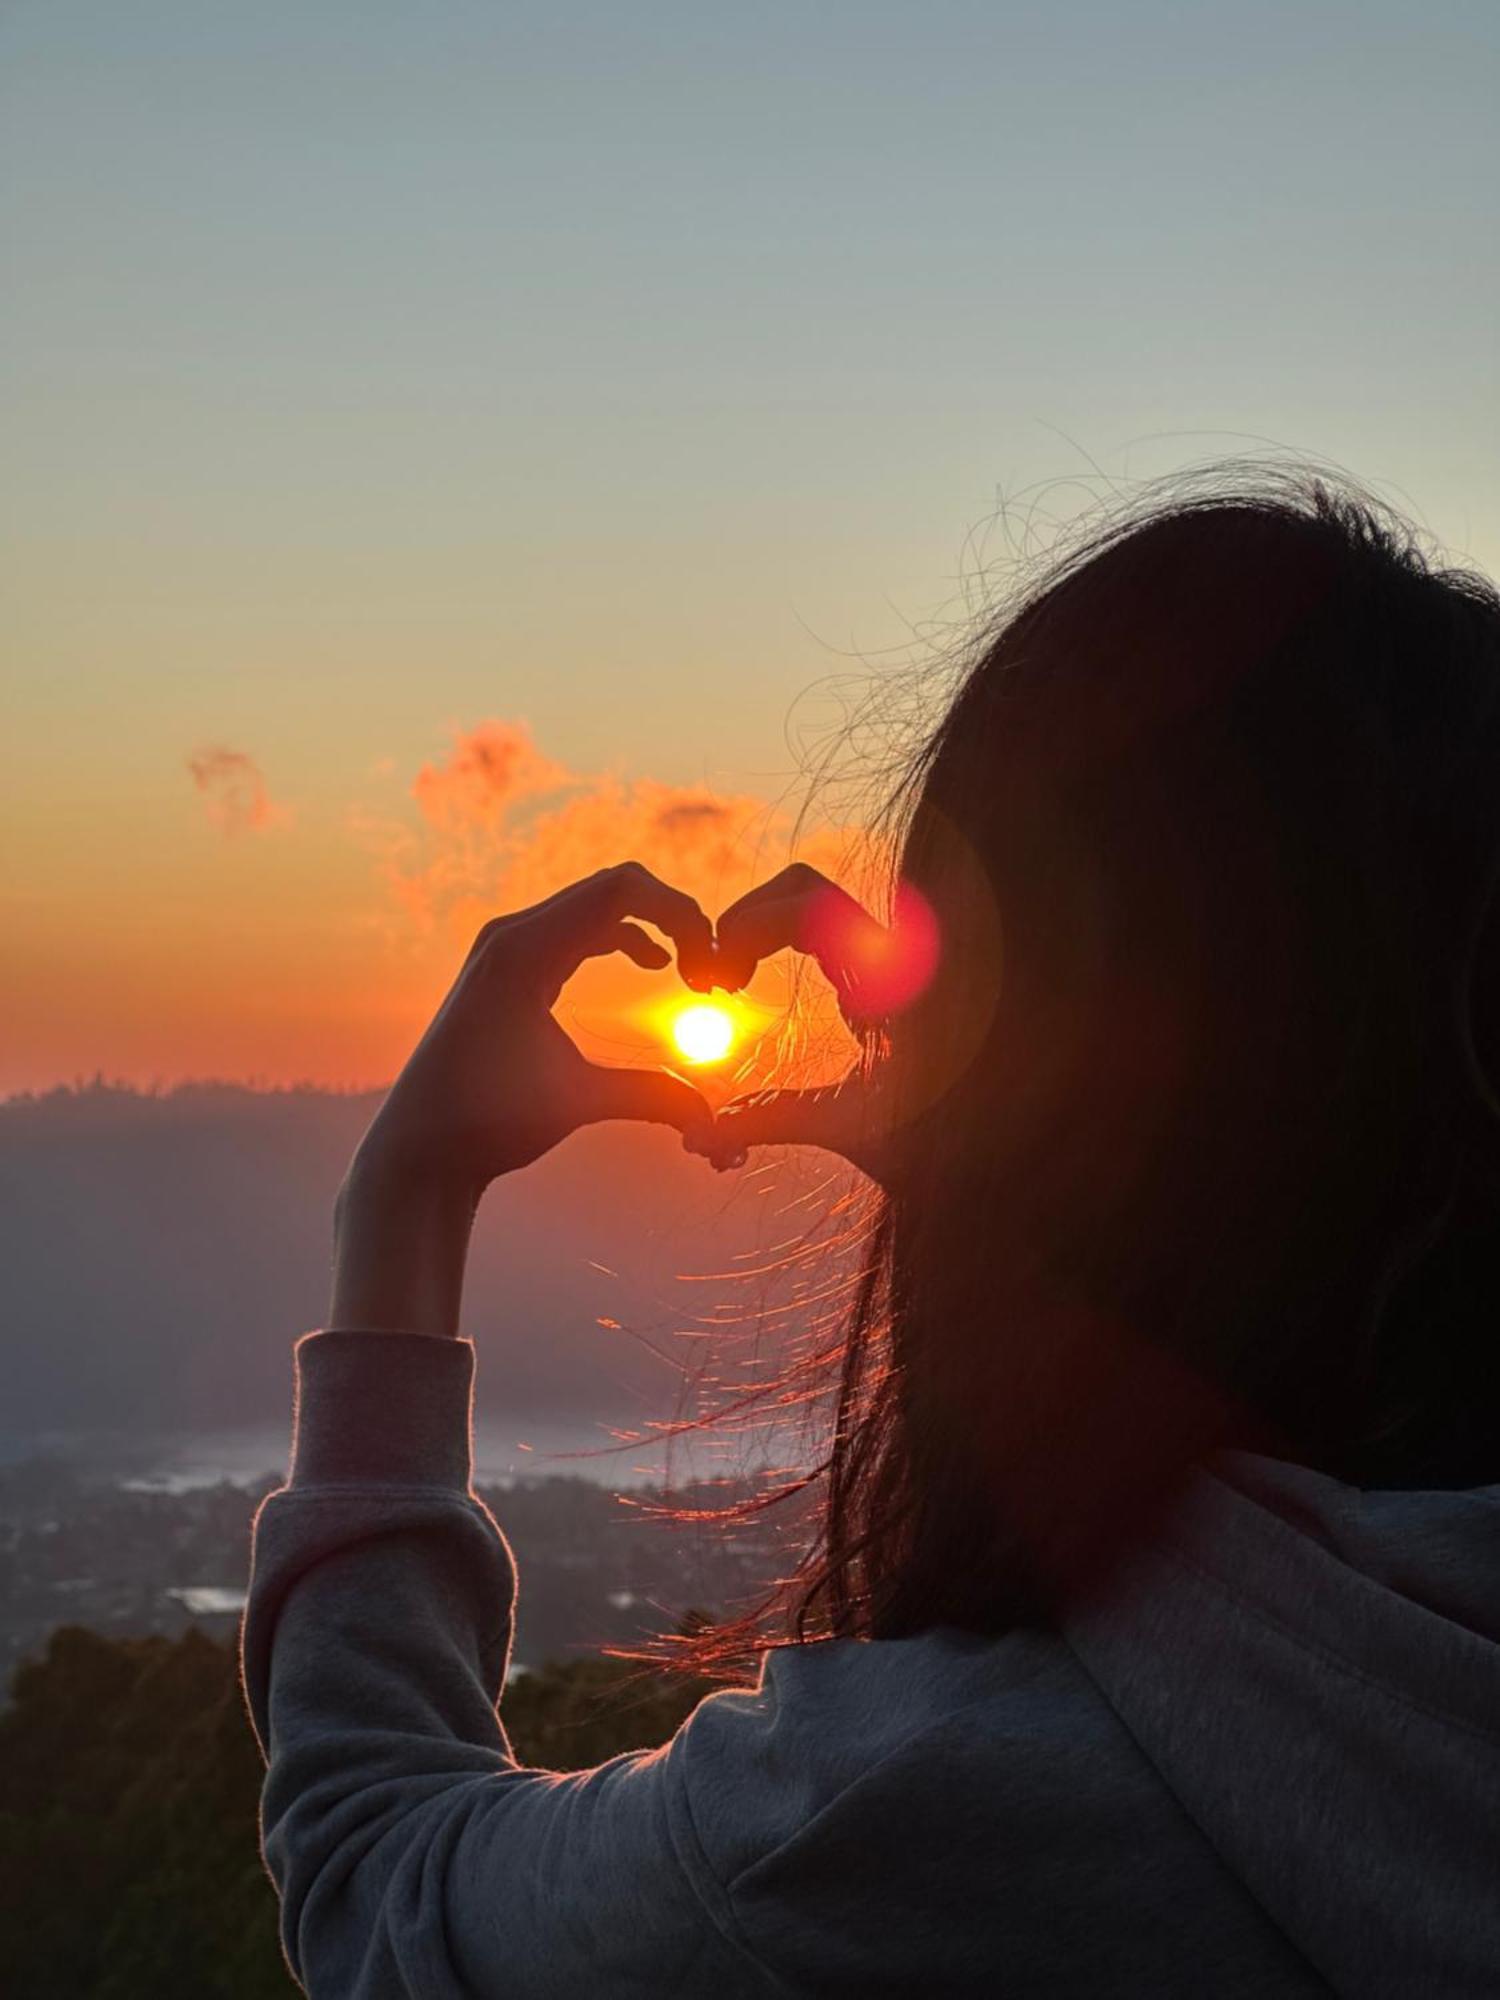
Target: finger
(774,915)
(635,944)
(804,910)
(586,920)
(635,892)
(834,1116)
(654,1097)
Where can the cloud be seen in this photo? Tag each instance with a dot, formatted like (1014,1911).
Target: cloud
(712,845)
(491,767)
(502,825)
(234,791)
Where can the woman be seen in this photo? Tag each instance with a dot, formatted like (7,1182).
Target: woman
(1150,1640)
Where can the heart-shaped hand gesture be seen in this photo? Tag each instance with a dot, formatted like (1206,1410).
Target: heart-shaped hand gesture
(495,1081)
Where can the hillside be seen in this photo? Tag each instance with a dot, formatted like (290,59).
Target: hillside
(162,1251)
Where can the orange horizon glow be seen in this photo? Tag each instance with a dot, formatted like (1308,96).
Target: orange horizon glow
(249,935)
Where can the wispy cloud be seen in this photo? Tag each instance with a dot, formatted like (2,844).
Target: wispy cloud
(499,825)
(502,824)
(234,791)
(491,768)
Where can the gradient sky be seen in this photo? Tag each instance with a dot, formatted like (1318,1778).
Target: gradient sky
(378,377)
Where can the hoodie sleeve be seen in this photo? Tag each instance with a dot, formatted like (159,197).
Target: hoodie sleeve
(412,1854)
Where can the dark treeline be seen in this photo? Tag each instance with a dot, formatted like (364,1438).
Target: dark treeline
(129,1785)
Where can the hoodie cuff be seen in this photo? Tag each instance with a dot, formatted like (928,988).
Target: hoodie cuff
(382,1409)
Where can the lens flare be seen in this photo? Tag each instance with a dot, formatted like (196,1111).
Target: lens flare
(877,971)
(703,1032)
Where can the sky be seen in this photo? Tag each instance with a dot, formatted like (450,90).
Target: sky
(449,446)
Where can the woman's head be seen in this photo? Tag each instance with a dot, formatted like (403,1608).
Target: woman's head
(1199,1121)
(1198,1125)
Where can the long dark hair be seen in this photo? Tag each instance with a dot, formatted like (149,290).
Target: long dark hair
(1197,1126)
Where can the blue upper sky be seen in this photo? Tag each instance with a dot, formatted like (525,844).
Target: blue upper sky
(737,306)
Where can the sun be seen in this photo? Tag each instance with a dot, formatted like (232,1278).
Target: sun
(703,1032)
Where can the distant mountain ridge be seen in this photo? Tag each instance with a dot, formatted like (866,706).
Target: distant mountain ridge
(161,1251)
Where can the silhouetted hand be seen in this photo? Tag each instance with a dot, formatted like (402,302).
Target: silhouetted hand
(493,1084)
(841,1117)
(495,1081)
(865,964)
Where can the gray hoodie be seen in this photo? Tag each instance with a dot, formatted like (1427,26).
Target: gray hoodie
(1267,1764)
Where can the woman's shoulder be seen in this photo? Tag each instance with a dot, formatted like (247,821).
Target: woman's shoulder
(891,1685)
(929,1805)
(842,1715)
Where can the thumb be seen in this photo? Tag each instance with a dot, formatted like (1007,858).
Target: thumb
(650,1096)
(833,1116)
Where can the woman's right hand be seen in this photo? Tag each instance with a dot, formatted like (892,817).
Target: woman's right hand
(802,909)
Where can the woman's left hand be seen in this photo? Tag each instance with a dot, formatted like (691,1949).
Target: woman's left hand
(494,1083)
(805,910)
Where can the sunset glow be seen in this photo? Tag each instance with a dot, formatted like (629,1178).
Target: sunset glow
(386,573)
(704,1032)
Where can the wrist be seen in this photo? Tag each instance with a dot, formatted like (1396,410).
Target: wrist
(384,1172)
(400,1247)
